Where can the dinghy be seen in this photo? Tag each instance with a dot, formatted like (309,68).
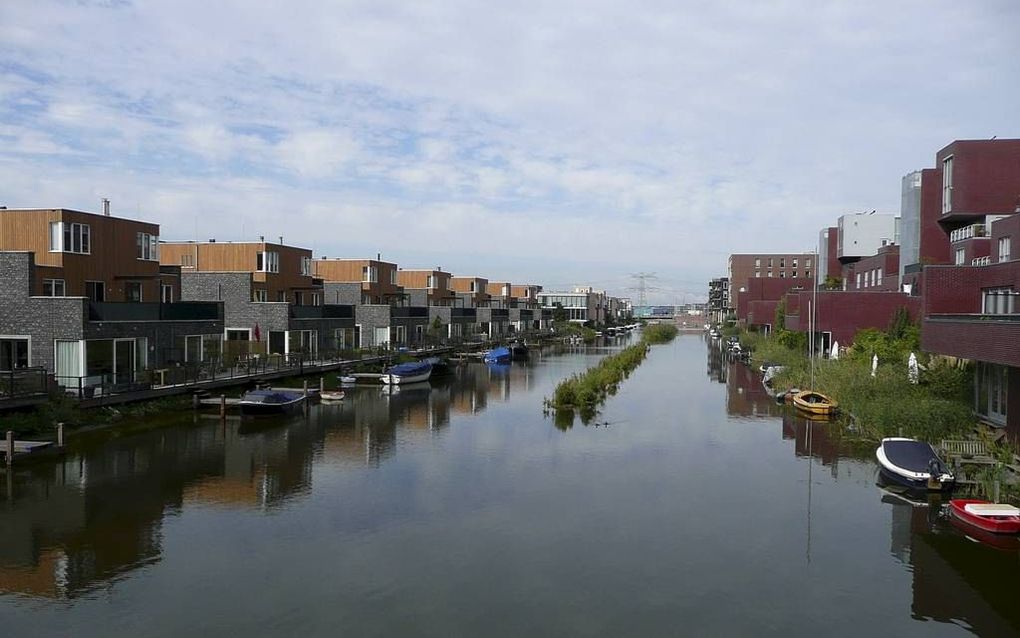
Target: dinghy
(985,515)
(814,402)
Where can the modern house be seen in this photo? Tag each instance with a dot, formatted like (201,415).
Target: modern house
(583,305)
(431,288)
(273,304)
(382,312)
(527,298)
(719,299)
(83,296)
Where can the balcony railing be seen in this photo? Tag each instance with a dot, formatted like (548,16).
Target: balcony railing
(980,261)
(968,232)
(25,382)
(409,312)
(328,311)
(153,311)
(464,313)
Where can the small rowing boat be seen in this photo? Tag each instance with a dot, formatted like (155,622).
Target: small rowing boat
(997,518)
(814,402)
(332,396)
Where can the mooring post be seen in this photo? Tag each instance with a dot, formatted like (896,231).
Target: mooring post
(10,447)
(322,384)
(196,401)
(60,435)
(995,491)
(305,390)
(223,406)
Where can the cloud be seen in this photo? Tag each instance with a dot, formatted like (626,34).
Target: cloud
(589,139)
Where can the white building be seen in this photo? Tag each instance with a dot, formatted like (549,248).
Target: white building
(583,304)
(862,234)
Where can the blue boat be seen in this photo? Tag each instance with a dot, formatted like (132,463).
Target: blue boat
(498,355)
(268,402)
(408,373)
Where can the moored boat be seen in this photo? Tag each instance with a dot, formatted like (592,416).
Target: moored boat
(498,355)
(997,518)
(408,373)
(519,352)
(440,367)
(814,402)
(270,402)
(332,396)
(913,463)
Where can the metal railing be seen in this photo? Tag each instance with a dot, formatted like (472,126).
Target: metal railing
(967,232)
(980,261)
(24,382)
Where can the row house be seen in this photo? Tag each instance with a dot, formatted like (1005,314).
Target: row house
(273,304)
(527,299)
(970,308)
(84,296)
(743,268)
(383,315)
(433,289)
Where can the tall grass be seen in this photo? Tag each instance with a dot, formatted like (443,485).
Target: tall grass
(886,404)
(586,391)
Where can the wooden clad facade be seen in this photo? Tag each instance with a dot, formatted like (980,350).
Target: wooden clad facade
(98,256)
(438,293)
(476,287)
(526,293)
(285,277)
(379,281)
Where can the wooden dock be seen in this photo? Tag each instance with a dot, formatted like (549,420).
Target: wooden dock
(12,449)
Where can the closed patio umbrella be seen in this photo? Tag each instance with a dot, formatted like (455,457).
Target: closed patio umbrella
(834,353)
(874,364)
(912,368)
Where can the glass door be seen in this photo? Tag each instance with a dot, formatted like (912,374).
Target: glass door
(123,360)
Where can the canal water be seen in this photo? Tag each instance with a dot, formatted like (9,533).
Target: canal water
(692,505)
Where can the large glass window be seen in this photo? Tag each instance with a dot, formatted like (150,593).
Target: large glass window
(1004,248)
(53,288)
(14,354)
(147,246)
(133,291)
(267,261)
(70,238)
(95,290)
(947,185)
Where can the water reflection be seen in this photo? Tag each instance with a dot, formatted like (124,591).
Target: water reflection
(71,525)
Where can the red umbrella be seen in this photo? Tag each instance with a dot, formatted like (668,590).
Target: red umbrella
(258,333)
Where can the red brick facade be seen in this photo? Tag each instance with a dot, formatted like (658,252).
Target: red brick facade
(985,179)
(766,289)
(744,268)
(845,313)
(877,273)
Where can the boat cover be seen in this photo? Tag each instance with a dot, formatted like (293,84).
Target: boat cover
(991,509)
(270,396)
(910,455)
(410,369)
(497,353)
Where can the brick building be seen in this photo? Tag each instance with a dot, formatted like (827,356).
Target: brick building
(745,267)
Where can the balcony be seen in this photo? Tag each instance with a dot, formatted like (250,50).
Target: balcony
(464,314)
(968,232)
(153,311)
(980,261)
(329,311)
(978,337)
(409,312)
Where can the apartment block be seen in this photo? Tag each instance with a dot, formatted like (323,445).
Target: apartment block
(744,267)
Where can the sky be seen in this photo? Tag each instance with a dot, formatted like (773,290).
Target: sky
(560,143)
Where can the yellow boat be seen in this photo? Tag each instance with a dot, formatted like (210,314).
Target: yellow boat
(814,402)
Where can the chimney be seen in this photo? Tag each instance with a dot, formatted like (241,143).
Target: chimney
(378,256)
(106,206)
(281,240)
(262,238)
(213,240)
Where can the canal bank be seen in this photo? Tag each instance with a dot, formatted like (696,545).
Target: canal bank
(699,507)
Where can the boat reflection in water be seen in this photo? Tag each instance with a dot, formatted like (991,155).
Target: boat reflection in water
(69,526)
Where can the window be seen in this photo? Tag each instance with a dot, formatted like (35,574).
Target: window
(430,282)
(782,262)
(95,290)
(147,246)
(369,274)
(299,298)
(166,293)
(187,260)
(14,353)
(393,277)
(133,291)
(281,295)
(807,273)
(959,257)
(782,274)
(1004,248)
(794,262)
(306,266)
(70,238)
(259,294)
(807,263)
(53,288)
(757,262)
(770,262)
(757,273)
(878,277)
(858,280)
(947,185)
(999,301)
(267,261)
(472,287)
(770,273)
(316,298)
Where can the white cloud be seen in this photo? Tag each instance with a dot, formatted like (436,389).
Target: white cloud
(593,138)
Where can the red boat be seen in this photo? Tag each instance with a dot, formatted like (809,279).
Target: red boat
(985,515)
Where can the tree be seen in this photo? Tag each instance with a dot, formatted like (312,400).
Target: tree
(436,329)
(780,319)
(833,283)
(559,313)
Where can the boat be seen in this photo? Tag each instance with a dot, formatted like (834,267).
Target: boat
(913,463)
(347,380)
(498,355)
(269,402)
(991,517)
(332,396)
(440,367)
(814,402)
(408,373)
(519,352)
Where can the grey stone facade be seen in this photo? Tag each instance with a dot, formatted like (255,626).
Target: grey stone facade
(369,318)
(48,319)
(345,293)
